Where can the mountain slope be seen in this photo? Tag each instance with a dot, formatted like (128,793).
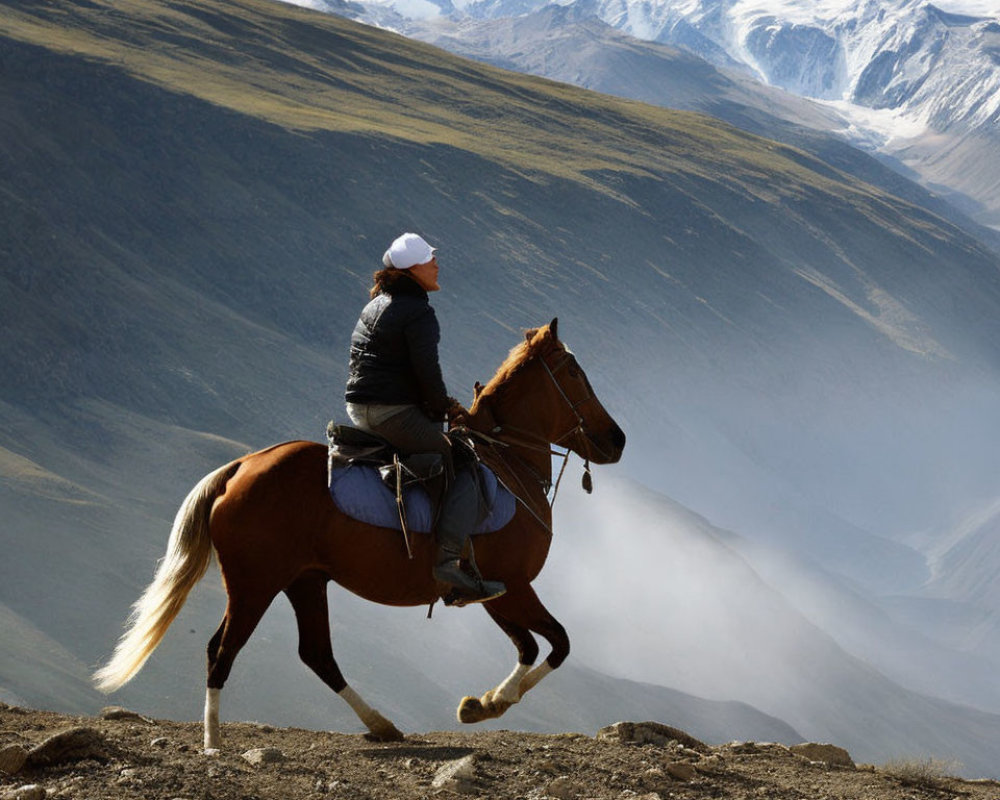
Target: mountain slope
(913,82)
(194,197)
(786,226)
(964,570)
(571,44)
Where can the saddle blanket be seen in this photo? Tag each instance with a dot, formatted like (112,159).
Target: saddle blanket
(359,492)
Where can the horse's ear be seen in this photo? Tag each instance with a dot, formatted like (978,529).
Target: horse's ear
(554,327)
(478,389)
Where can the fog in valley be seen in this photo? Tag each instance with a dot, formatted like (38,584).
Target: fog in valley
(802,574)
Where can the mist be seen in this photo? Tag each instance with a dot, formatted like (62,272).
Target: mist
(650,591)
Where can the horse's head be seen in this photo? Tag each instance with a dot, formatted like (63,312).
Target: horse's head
(546,392)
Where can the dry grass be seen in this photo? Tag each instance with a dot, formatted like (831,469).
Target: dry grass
(309,71)
(921,771)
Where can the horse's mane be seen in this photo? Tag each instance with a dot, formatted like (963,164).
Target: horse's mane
(535,342)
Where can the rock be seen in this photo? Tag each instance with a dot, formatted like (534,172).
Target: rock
(826,753)
(12,758)
(458,776)
(563,788)
(682,771)
(653,778)
(264,755)
(117,712)
(550,766)
(649,733)
(74,744)
(130,776)
(30,792)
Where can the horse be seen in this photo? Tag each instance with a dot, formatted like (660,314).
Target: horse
(273,527)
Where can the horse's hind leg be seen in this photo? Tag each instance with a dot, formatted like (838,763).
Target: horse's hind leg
(519,613)
(308,597)
(238,623)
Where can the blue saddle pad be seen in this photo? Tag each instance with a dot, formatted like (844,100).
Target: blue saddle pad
(359,492)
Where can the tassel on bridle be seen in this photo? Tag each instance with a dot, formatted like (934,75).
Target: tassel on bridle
(588,481)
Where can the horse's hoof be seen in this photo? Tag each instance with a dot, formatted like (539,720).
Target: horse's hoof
(471,710)
(382,730)
(476,709)
(493,704)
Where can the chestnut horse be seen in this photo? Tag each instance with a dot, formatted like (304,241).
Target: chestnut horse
(274,528)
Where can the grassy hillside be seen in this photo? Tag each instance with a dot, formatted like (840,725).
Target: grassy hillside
(311,72)
(314,123)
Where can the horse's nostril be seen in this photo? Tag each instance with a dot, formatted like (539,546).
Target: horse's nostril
(618,437)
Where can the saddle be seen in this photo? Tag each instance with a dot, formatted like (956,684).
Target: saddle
(371,481)
(349,445)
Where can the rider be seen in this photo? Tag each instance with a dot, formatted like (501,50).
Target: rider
(395,389)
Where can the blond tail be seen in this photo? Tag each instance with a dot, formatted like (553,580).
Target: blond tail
(189,552)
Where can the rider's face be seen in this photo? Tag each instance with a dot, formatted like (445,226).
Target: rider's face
(426,275)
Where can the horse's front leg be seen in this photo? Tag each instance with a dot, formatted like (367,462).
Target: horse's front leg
(518,613)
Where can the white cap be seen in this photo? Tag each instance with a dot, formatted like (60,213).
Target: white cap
(408,251)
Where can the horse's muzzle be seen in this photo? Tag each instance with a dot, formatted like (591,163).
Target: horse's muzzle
(606,448)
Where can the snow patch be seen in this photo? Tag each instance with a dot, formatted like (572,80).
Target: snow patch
(974,8)
(875,128)
(418,10)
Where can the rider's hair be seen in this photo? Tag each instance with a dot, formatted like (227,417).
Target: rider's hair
(384,279)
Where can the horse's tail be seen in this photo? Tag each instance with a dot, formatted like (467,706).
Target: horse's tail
(189,553)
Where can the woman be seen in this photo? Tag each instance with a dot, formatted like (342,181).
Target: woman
(395,389)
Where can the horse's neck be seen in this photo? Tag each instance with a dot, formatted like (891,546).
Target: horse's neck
(527,450)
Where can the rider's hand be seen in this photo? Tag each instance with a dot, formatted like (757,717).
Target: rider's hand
(457,414)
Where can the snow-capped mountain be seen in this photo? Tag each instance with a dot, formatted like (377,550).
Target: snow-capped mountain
(913,80)
(934,68)
(937,67)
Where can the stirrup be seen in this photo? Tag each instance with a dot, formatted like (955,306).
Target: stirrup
(490,591)
(465,586)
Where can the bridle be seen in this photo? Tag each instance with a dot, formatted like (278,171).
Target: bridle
(501,434)
(578,428)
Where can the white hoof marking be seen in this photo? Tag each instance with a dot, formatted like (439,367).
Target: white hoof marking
(510,690)
(532,678)
(212,731)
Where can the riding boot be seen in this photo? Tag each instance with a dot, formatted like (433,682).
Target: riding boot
(465,587)
(459,515)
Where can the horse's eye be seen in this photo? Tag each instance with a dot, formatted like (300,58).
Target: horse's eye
(574,372)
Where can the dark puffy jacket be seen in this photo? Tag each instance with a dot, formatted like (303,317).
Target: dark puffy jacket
(394,351)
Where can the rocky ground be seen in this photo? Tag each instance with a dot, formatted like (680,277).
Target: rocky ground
(120,754)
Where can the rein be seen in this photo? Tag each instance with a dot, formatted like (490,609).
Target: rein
(500,435)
